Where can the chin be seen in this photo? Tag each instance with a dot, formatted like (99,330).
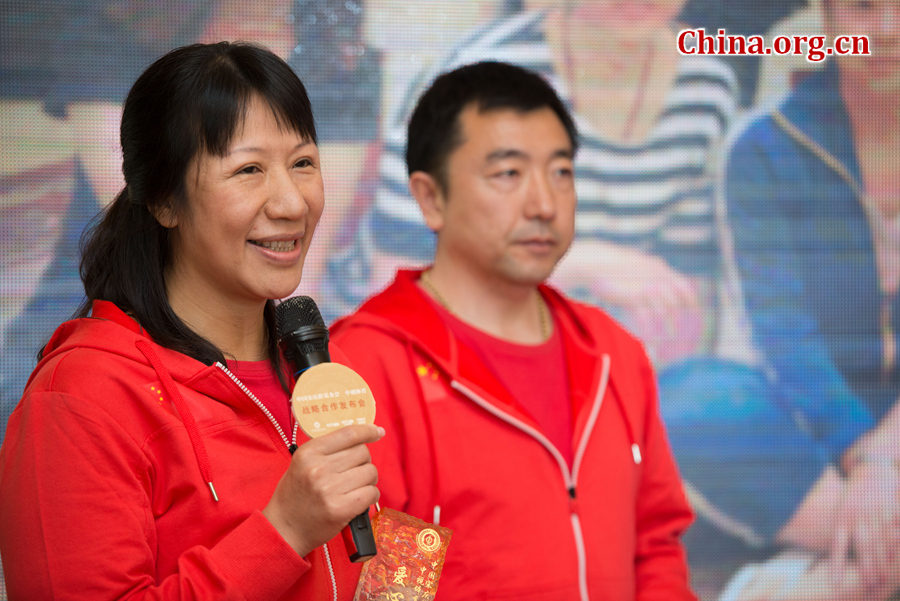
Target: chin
(281,291)
(530,276)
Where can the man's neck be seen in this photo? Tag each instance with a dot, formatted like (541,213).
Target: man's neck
(506,310)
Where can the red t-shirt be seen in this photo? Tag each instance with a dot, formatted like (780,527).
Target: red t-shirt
(535,375)
(261,379)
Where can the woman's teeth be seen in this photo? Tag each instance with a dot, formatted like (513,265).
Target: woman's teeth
(279,246)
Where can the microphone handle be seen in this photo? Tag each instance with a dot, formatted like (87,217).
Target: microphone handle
(359,539)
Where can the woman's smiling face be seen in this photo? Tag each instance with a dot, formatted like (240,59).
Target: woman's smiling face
(249,215)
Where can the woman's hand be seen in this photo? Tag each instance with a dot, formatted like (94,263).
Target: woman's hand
(331,480)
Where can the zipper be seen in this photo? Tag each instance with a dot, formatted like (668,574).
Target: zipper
(288,443)
(592,418)
(582,556)
(536,434)
(330,572)
(291,446)
(569,476)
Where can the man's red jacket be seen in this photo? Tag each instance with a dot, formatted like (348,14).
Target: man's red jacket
(526,525)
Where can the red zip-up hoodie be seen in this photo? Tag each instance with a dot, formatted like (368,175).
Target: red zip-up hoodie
(458,448)
(131,471)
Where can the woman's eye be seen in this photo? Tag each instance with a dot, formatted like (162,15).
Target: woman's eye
(303,163)
(248,169)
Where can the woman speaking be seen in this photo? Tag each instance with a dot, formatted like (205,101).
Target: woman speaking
(151,454)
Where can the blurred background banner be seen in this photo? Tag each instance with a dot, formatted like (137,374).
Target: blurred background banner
(738,213)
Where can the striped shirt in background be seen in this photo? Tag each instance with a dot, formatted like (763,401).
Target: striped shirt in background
(656,195)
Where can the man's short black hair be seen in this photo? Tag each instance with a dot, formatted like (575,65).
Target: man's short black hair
(434,129)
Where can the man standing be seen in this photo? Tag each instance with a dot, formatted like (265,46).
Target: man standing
(525,422)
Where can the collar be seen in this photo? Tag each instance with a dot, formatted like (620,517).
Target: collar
(404,312)
(102,309)
(817,109)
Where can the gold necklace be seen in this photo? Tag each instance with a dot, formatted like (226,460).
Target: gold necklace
(543,309)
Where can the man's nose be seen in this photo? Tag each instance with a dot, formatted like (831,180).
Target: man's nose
(541,197)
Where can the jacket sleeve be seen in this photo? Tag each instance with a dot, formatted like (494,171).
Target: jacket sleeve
(76,520)
(784,327)
(663,513)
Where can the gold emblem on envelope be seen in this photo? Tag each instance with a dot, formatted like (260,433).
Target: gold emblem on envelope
(428,540)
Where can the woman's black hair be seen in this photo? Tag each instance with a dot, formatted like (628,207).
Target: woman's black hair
(190,101)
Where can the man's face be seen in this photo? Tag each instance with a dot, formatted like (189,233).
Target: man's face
(508,210)
(880,20)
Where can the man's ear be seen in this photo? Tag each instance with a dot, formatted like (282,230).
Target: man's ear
(425,189)
(165,214)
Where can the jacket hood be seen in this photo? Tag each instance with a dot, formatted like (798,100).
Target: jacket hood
(111,330)
(415,319)
(404,312)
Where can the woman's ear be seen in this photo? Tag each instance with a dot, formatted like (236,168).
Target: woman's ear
(432,202)
(165,214)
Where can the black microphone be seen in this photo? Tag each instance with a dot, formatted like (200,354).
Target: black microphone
(303,338)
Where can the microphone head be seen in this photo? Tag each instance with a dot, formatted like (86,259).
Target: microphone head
(295,312)
(302,333)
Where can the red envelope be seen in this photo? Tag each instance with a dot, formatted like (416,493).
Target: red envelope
(410,556)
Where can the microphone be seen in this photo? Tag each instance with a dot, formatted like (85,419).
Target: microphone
(327,396)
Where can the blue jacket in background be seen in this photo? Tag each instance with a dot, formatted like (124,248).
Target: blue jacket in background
(806,259)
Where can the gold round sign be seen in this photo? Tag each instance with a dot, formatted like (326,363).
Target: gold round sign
(329,396)
(428,540)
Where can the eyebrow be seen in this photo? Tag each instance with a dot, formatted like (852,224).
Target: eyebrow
(258,149)
(514,153)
